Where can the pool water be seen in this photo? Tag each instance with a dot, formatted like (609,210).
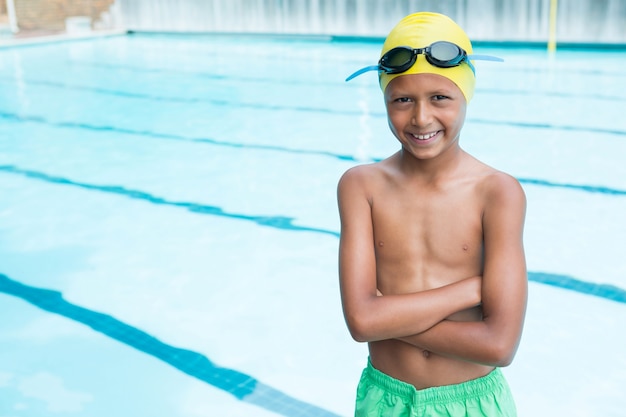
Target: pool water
(169,227)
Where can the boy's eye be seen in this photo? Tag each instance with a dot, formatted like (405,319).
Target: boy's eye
(403,100)
(439,97)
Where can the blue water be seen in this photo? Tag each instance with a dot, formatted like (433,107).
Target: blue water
(169,227)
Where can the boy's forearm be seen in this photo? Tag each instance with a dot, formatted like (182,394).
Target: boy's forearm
(478,342)
(394,316)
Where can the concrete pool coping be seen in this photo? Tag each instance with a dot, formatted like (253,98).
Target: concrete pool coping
(38,38)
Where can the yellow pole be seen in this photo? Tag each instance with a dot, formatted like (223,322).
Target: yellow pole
(552,30)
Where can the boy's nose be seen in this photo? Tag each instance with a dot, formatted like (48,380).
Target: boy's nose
(421,116)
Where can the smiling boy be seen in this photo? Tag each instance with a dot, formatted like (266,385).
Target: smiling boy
(431,259)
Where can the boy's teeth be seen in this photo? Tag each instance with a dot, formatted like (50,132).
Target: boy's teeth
(426,136)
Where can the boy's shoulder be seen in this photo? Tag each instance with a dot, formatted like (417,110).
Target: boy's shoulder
(492,184)
(490,177)
(364,172)
(363,180)
(496,185)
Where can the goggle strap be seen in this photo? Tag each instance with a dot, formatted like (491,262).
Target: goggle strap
(469,63)
(485,58)
(363,70)
(470,57)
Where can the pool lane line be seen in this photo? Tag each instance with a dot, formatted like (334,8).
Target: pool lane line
(607,291)
(167,136)
(242,386)
(238,145)
(276,222)
(548,126)
(286,223)
(272,107)
(578,187)
(221,77)
(195,100)
(543,94)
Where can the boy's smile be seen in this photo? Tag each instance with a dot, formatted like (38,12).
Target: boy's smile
(427,137)
(426,113)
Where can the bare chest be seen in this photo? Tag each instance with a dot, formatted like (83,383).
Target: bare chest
(427,241)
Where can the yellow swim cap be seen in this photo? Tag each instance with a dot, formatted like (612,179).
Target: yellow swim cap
(420,30)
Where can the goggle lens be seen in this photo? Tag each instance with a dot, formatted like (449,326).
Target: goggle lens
(397,60)
(446,52)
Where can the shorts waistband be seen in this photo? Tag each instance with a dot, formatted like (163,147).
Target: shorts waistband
(493,381)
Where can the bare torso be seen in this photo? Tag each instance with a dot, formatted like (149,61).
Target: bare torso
(426,235)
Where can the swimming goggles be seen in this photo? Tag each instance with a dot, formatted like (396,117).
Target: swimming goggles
(441,54)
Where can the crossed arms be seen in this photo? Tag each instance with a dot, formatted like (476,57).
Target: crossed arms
(420,318)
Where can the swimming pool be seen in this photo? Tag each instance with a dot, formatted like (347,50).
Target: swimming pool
(169,227)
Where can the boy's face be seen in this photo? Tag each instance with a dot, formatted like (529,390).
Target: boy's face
(426,113)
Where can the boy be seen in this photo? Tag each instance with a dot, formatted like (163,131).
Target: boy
(431,259)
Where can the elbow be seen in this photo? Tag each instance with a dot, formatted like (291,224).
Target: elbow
(503,361)
(501,354)
(360,329)
(358,336)
(501,344)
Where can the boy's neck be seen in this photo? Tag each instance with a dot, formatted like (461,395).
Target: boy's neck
(443,165)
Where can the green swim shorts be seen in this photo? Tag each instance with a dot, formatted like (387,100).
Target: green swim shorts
(378,394)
